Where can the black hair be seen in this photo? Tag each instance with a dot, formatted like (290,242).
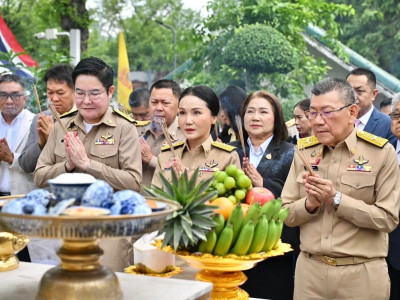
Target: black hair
(385,102)
(207,95)
(12,78)
(139,97)
(96,67)
(167,84)
(329,84)
(303,104)
(60,73)
(232,99)
(369,74)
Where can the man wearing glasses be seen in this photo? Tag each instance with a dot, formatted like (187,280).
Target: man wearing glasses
(346,202)
(14,129)
(393,258)
(369,118)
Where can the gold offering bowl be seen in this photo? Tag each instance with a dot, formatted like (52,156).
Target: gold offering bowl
(225,272)
(80,275)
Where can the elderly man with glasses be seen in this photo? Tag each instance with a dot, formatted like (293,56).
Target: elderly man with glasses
(15,122)
(343,191)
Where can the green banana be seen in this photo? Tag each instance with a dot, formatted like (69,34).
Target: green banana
(236,219)
(224,241)
(283,213)
(270,240)
(267,209)
(220,220)
(260,234)
(278,206)
(278,232)
(208,245)
(252,214)
(243,242)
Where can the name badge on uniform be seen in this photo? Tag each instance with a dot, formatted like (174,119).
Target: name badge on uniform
(106,139)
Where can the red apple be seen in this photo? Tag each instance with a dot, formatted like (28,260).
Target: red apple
(260,195)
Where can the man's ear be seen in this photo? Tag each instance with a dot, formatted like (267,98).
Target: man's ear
(374,93)
(353,111)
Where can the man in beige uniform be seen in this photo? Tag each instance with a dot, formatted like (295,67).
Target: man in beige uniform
(99,141)
(347,207)
(164,97)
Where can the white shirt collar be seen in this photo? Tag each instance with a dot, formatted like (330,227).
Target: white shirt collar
(364,119)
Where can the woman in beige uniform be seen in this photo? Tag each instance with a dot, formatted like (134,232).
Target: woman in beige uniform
(197,114)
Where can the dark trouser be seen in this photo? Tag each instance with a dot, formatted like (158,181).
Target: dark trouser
(394,275)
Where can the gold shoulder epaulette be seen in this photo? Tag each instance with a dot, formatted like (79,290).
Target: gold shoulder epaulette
(69,113)
(142,123)
(223,146)
(290,123)
(125,116)
(373,139)
(176,145)
(307,142)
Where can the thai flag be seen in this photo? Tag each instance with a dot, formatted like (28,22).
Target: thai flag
(9,42)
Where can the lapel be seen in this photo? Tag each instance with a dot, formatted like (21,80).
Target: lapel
(24,129)
(372,122)
(273,149)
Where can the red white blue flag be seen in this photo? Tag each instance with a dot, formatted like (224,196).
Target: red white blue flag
(9,42)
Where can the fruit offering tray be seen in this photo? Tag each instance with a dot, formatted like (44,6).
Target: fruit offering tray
(86,227)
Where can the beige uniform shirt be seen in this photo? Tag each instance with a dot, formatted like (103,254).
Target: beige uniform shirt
(368,177)
(156,143)
(112,146)
(209,157)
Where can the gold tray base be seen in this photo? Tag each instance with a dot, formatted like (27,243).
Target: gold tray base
(8,263)
(225,284)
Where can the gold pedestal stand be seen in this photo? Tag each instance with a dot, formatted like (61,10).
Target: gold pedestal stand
(10,244)
(80,275)
(225,272)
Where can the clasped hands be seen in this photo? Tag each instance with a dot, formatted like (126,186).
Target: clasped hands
(318,190)
(75,153)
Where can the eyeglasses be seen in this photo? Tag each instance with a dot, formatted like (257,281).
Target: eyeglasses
(92,95)
(312,114)
(394,116)
(14,96)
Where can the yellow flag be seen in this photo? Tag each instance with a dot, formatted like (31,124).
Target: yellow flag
(124,84)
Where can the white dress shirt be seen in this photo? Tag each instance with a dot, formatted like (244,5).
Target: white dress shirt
(255,157)
(10,132)
(364,119)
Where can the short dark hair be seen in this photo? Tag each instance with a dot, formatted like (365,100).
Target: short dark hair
(60,73)
(167,84)
(385,102)
(280,128)
(329,84)
(369,74)
(232,99)
(303,104)
(207,95)
(12,78)
(96,67)
(139,97)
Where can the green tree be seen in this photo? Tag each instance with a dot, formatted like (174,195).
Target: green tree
(288,17)
(374,32)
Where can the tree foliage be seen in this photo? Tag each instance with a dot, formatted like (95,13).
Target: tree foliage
(289,18)
(374,32)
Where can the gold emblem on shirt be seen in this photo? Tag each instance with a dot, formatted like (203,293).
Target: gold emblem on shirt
(268,156)
(106,139)
(360,160)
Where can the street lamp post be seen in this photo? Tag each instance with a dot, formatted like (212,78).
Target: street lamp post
(174,35)
(74,36)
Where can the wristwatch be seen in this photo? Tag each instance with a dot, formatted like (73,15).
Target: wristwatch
(337,199)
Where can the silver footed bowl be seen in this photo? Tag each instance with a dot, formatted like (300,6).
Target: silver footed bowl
(87,227)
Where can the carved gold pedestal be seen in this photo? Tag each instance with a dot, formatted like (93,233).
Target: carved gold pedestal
(10,244)
(225,272)
(80,275)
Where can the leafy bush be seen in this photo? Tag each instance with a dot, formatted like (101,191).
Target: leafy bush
(259,49)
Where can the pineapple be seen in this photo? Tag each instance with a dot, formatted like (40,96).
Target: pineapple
(187,227)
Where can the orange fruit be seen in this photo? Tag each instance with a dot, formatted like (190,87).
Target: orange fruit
(225,206)
(245,208)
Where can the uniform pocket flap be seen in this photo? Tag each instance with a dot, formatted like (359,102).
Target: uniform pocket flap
(358,181)
(104,151)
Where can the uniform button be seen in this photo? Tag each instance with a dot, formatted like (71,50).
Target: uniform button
(327,237)
(102,153)
(357,185)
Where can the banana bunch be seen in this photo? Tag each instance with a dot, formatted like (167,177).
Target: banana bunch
(259,231)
